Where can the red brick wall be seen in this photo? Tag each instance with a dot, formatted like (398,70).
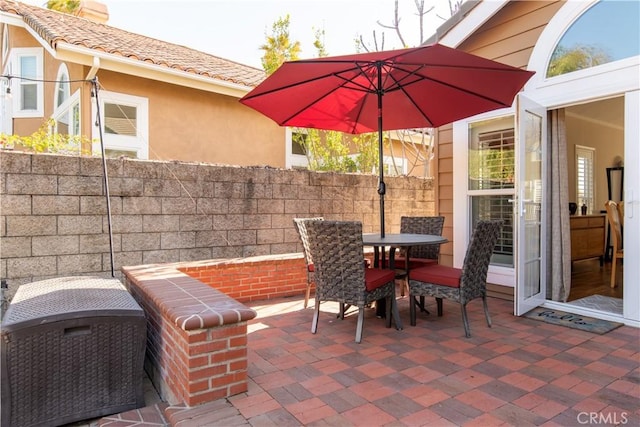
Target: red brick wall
(252,279)
(190,364)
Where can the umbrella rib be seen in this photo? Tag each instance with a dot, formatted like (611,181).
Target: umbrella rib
(324,95)
(400,86)
(345,81)
(297,83)
(357,67)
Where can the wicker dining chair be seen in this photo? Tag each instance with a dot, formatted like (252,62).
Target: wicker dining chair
(301,227)
(423,254)
(615,227)
(459,285)
(341,275)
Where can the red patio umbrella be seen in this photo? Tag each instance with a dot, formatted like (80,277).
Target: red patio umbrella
(427,86)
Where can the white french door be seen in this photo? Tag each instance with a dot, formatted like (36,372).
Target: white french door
(531,128)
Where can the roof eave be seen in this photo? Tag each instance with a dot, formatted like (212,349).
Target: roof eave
(471,16)
(85,56)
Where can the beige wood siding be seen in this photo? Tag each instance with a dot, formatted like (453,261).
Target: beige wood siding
(508,37)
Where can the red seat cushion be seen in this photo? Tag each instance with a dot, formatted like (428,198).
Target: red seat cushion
(376,277)
(400,262)
(438,275)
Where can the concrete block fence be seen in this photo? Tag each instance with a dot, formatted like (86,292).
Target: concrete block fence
(53,211)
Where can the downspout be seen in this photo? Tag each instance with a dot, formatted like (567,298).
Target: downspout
(94,69)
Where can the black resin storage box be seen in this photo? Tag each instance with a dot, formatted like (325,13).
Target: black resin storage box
(72,349)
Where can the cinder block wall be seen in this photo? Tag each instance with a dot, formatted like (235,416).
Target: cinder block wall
(53,211)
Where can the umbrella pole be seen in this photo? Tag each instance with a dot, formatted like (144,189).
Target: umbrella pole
(381,185)
(94,83)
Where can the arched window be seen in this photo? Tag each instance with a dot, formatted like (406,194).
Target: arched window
(66,110)
(62,86)
(608,31)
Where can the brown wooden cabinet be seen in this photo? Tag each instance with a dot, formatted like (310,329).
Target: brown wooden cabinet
(587,237)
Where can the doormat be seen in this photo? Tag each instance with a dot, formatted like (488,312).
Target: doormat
(570,320)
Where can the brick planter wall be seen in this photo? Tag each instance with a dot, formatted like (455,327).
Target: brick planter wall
(197,325)
(196,335)
(254,278)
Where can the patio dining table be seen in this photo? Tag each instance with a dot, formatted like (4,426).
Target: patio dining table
(396,240)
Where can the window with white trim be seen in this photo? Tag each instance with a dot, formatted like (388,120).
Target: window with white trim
(125,125)
(296,157)
(606,32)
(585,181)
(491,181)
(66,108)
(6,104)
(393,166)
(27,87)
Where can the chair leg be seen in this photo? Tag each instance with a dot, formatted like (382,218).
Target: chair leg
(341,309)
(614,261)
(360,324)
(388,302)
(316,315)
(396,314)
(412,309)
(306,296)
(465,321)
(486,310)
(439,305)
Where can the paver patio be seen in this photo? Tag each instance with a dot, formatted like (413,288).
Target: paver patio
(519,372)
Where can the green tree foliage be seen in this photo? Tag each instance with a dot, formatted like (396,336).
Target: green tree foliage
(64,6)
(45,141)
(325,150)
(566,60)
(279,48)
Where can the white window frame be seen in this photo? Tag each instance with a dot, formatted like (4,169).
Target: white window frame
(391,163)
(579,86)
(6,111)
(293,160)
(138,144)
(16,82)
(63,75)
(67,108)
(588,153)
(499,275)
(68,105)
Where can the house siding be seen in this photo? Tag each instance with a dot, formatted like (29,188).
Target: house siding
(508,37)
(192,125)
(185,124)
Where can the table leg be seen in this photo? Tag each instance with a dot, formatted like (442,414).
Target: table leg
(381,304)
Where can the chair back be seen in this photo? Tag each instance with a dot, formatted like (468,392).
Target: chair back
(423,225)
(301,227)
(613,216)
(621,213)
(338,259)
(473,281)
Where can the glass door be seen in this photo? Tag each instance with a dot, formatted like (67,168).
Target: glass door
(528,205)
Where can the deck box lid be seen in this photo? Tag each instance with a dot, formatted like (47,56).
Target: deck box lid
(66,298)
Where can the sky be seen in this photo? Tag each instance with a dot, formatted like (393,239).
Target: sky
(235,29)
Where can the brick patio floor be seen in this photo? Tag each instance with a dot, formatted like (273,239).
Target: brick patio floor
(520,372)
